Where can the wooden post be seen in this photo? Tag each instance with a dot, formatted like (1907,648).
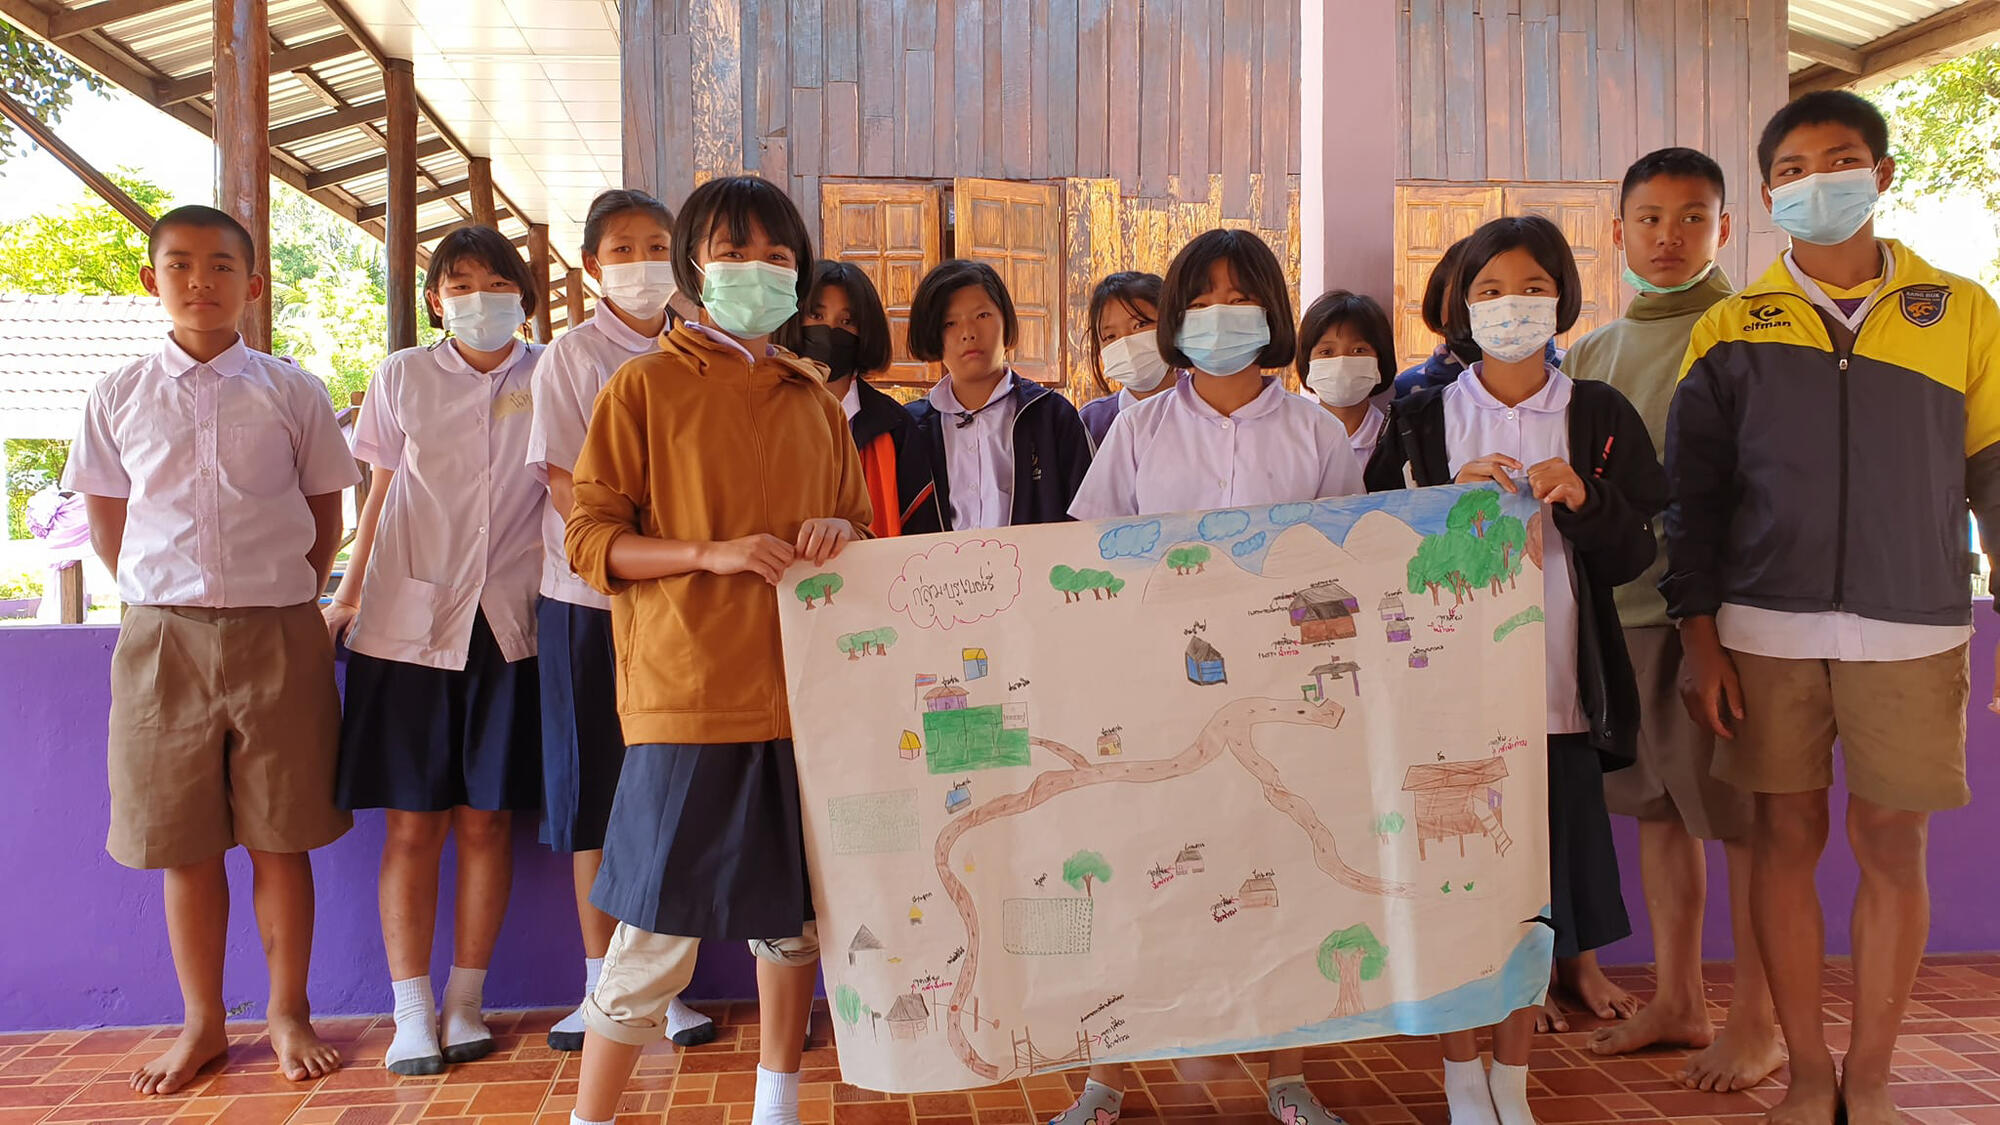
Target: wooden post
(479,174)
(70,585)
(538,268)
(242,49)
(400,217)
(573,290)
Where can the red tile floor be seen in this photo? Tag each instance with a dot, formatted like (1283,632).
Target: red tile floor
(1948,1074)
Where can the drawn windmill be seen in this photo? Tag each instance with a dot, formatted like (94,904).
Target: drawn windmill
(1455,800)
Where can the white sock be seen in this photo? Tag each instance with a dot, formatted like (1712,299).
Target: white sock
(593,968)
(1466,1094)
(680,1017)
(416,1022)
(777,1098)
(1509,1086)
(464,991)
(579,1119)
(1096,1098)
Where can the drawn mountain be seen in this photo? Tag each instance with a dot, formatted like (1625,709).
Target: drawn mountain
(1191,571)
(1300,554)
(1381,537)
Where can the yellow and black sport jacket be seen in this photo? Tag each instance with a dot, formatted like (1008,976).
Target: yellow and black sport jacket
(1816,469)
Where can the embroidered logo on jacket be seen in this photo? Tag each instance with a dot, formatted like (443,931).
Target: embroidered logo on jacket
(1765,317)
(1923,305)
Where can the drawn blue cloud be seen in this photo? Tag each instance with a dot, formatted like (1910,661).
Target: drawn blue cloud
(1285,515)
(1248,546)
(1130,541)
(1217,526)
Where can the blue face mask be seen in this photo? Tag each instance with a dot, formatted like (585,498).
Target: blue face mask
(749,299)
(1224,339)
(1825,209)
(1650,289)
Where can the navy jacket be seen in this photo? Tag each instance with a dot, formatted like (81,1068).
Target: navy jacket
(1051,453)
(882,416)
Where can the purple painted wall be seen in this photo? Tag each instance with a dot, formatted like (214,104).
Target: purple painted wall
(84,944)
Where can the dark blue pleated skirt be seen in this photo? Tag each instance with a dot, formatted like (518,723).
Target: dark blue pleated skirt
(1584,893)
(705,842)
(582,747)
(422,739)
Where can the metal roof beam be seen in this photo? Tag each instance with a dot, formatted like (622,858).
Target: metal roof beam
(431,234)
(355,169)
(441,192)
(283,60)
(69,22)
(1931,40)
(320,126)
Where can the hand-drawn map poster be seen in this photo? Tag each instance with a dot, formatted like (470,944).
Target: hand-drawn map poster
(1146,788)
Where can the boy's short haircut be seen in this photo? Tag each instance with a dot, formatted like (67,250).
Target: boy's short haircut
(1128,288)
(610,204)
(1540,238)
(1824,107)
(1686,163)
(1337,307)
(490,248)
(934,293)
(198,217)
(730,204)
(873,349)
(1258,275)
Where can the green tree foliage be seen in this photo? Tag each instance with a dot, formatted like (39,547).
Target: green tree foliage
(1388,824)
(1184,559)
(1085,868)
(32,465)
(847,1003)
(1474,511)
(40,78)
(1510,537)
(1453,560)
(1073,584)
(818,588)
(85,248)
(1063,580)
(1944,131)
(867,642)
(1348,957)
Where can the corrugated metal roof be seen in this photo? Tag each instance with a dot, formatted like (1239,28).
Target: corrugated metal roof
(1857,23)
(54,349)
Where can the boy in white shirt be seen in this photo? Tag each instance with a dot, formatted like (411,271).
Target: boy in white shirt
(212,475)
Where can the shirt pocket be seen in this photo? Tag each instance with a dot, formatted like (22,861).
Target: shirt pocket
(403,609)
(257,459)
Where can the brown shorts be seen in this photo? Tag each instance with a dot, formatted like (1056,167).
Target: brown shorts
(225,725)
(1673,778)
(1900,723)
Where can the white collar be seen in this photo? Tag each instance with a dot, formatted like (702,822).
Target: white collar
(620,333)
(448,357)
(1818,295)
(1270,398)
(1553,398)
(945,398)
(851,401)
(233,360)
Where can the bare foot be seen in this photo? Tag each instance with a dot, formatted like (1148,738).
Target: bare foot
(302,1055)
(1584,981)
(1809,1101)
(193,1051)
(1740,1059)
(1550,1017)
(1655,1025)
(1868,1104)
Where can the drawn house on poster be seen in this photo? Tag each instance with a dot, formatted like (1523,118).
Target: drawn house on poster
(975,662)
(1395,622)
(1453,803)
(1259,891)
(909,1016)
(947,698)
(864,941)
(1189,862)
(910,746)
(1324,611)
(1204,664)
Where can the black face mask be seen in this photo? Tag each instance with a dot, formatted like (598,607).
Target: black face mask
(835,347)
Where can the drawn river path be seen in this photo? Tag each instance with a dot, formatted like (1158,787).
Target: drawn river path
(1229,730)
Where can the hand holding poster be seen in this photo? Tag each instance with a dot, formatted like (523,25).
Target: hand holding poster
(1193,784)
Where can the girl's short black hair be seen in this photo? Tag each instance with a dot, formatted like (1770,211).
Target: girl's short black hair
(934,295)
(873,351)
(730,204)
(489,248)
(1538,237)
(610,204)
(1257,274)
(1127,287)
(1337,307)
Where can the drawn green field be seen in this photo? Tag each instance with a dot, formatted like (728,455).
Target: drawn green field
(972,738)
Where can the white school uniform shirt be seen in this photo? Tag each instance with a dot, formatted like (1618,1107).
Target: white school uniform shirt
(1367,436)
(567,380)
(460,531)
(1832,634)
(979,455)
(1174,452)
(1477,424)
(214,461)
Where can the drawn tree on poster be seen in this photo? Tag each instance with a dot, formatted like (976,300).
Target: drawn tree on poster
(1388,824)
(1474,511)
(1084,868)
(847,1002)
(819,588)
(867,642)
(1454,559)
(1185,559)
(1347,958)
(1509,537)
(1073,584)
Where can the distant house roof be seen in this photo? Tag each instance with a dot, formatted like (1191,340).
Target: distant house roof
(909,1008)
(945,692)
(54,349)
(1201,651)
(1256,884)
(1390,601)
(864,938)
(1325,599)
(1189,855)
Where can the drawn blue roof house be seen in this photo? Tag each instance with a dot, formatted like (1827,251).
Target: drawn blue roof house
(1204,664)
(958,797)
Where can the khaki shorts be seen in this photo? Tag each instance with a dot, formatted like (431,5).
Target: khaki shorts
(644,971)
(1900,723)
(225,726)
(1673,778)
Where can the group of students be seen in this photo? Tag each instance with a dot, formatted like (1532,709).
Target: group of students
(561,590)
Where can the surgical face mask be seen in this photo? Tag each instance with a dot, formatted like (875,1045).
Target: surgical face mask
(1825,209)
(749,299)
(835,347)
(1511,329)
(1224,339)
(640,288)
(485,321)
(1650,289)
(1343,380)
(1135,361)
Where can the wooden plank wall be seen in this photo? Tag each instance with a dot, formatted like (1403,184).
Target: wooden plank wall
(1156,94)
(1575,90)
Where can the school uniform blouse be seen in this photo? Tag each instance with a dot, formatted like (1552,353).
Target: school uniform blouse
(1475,425)
(979,455)
(571,372)
(214,461)
(1173,452)
(1367,436)
(460,531)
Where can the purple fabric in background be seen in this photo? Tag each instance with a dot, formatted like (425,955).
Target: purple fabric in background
(83,943)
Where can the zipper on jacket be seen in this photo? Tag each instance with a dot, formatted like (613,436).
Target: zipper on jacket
(1014,444)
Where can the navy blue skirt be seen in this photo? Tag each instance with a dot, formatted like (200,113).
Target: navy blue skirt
(1584,893)
(705,842)
(582,746)
(422,739)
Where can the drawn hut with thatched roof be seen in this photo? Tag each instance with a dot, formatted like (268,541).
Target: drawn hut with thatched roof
(1455,800)
(1324,611)
(909,1016)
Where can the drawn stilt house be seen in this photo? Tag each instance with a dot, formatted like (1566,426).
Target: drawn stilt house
(1324,611)
(1454,801)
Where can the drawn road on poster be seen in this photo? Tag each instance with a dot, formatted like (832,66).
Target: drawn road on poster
(1230,730)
